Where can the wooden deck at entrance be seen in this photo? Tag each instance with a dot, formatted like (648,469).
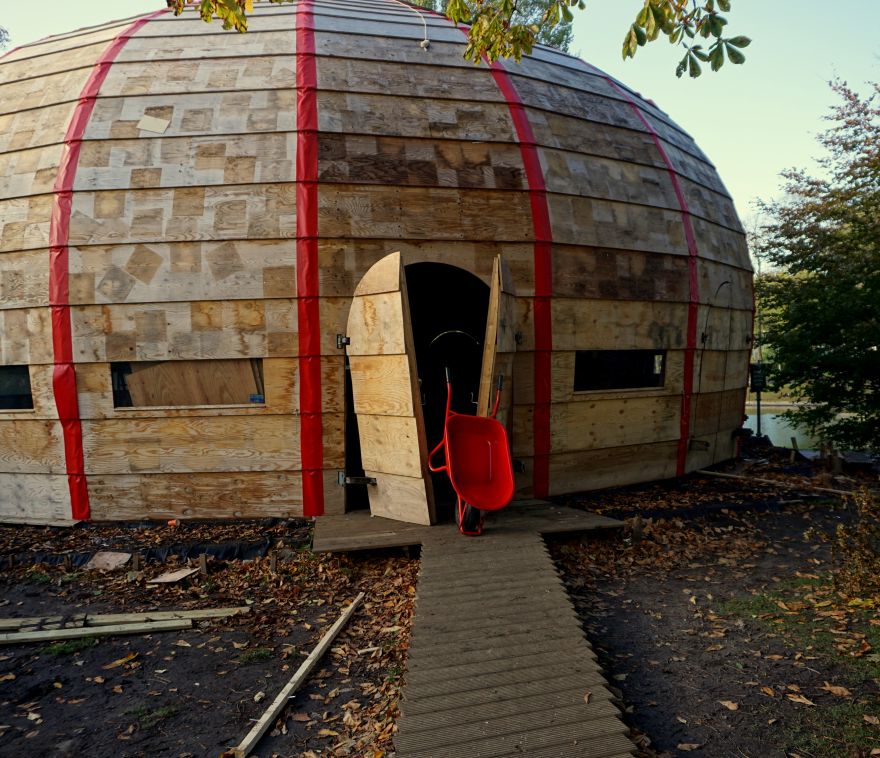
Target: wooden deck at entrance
(498,664)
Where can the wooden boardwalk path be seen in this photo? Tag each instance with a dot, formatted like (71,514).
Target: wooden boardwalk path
(498,664)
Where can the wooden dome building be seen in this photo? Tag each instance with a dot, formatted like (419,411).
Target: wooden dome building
(233,267)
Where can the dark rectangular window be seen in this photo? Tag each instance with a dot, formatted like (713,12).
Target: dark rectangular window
(15,388)
(619,369)
(143,384)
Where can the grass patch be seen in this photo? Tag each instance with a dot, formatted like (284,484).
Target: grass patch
(38,577)
(148,718)
(835,634)
(69,647)
(256,655)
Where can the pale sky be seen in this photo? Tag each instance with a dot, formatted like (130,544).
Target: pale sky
(752,121)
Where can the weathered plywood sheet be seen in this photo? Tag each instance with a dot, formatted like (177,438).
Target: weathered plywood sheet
(202,444)
(31,446)
(34,498)
(601,423)
(24,279)
(182,271)
(243,494)
(221,113)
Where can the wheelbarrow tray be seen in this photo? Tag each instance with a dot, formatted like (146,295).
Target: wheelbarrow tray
(478,457)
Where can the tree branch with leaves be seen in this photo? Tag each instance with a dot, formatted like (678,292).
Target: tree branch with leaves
(511,28)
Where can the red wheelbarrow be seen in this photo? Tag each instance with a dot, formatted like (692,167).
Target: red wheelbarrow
(478,463)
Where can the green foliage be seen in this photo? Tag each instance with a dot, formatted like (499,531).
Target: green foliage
(821,308)
(511,28)
(68,647)
(4,38)
(855,548)
(255,655)
(683,22)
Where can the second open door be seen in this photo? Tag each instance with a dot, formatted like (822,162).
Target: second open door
(499,346)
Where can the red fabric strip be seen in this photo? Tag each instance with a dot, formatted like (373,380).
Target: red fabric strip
(307,303)
(64,371)
(693,281)
(543,273)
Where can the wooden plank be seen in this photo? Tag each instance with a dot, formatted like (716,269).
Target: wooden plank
(200,444)
(239,494)
(246,746)
(381,387)
(402,498)
(395,444)
(31,446)
(601,424)
(48,635)
(498,345)
(112,619)
(172,577)
(34,498)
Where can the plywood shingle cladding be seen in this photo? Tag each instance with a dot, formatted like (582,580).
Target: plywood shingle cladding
(182,243)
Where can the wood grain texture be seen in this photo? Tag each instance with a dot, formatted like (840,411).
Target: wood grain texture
(201,444)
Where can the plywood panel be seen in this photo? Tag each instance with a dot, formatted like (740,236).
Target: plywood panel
(154,161)
(399,497)
(35,498)
(203,444)
(609,274)
(723,286)
(600,424)
(724,328)
(602,223)
(166,383)
(34,128)
(24,223)
(720,244)
(25,336)
(49,89)
(169,215)
(24,279)
(718,370)
(409,117)
(359,159)
(718,411)
(51,58)
(424,213)
(597,469)
(196,113)
(381,387)
(499,345)
(204,75)
(606,324)
(162,272)
(258,43)
(31,446)
(29,172)
(394,447)
(273,494)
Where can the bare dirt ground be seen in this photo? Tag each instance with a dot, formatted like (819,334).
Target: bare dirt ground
(714,616)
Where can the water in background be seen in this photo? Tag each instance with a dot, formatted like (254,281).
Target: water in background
(777,428)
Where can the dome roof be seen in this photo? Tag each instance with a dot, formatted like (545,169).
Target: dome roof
(171,191)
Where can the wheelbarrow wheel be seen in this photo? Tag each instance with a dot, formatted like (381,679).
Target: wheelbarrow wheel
(471,520)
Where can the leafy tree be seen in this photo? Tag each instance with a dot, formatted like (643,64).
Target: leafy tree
(510,28)
(528,14)
(4,38)
(821,308)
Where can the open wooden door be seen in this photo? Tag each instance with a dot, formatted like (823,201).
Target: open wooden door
(387,402)
(500,345)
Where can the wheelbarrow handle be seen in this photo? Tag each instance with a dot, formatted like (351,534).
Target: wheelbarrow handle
(431,466)
(448,375)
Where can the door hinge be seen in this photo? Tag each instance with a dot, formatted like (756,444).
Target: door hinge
(342,341)
(342,479)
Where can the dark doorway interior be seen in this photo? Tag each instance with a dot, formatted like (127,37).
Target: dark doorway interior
(448,309)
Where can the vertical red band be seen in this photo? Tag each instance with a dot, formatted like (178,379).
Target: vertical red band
(64,371)
(308,305)
(693,281)
(543,273)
